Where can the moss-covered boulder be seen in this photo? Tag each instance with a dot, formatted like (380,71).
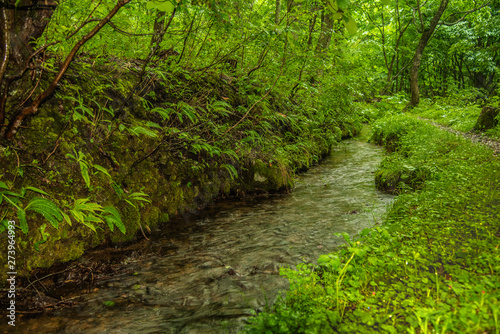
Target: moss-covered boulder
(488,119)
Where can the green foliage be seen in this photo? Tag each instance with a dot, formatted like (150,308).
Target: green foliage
(112,218)
(431,267)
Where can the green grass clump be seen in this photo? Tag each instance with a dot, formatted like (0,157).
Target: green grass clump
(432,267)
(460,118)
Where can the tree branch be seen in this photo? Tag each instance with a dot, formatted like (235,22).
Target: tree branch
(33,108)
(465,13)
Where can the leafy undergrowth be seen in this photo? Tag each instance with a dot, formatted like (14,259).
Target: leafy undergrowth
(432,267)
(458,117)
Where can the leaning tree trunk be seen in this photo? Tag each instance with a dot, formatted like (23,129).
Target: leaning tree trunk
(417,58)
(16,121)
(22,22)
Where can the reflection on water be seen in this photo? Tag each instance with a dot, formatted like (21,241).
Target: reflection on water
(208,273)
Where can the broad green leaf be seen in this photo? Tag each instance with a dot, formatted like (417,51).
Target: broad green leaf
(343,4)
(337,16)
(386,2)
(3,185)
(162,6)
(350,25)
(333,6)
(166,6)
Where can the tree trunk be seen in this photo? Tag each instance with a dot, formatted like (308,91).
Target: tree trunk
(16,121)
(20,25)
(417,58)
(158,33)
(277,14)
(325,36)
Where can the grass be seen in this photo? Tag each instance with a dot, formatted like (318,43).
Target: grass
(460,117)
(434,264)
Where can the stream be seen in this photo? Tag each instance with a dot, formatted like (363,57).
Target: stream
(207,273)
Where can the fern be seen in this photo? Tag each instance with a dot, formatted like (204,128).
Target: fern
(45,236)
(48,209)
(138,197)
(102,170)
(112,218)
(84,168)
(232,171)
(21,214)
(85,213)
(164,113)
(137,130)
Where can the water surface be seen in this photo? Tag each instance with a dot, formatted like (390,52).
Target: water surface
(208,273)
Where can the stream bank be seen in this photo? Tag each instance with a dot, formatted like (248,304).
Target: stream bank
(97,167)
(432,266)
(207,274)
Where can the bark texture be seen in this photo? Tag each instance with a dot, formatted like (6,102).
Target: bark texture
(417,58)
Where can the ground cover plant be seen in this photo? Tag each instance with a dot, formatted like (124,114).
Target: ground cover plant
(431,267)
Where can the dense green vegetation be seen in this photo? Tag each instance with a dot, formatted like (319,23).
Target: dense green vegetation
(103,141)
(117,115)
(431,267)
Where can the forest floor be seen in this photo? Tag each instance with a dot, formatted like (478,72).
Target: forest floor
(475,137)
(432,266)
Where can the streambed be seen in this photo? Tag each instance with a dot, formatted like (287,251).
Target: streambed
(206,274)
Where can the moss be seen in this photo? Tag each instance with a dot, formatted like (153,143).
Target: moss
(175,178)
(151,216)
(271,176)
(488,118)
(131,218)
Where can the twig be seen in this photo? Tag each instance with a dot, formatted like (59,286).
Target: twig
(60,272)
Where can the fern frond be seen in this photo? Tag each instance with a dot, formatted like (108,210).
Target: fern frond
(23,223)
(112,218)
(46,208)
(102,170)
(232,171)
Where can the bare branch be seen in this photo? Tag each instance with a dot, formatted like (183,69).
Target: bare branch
(112,25)
(465,13)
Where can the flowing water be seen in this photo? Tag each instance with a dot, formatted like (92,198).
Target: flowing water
(208,273)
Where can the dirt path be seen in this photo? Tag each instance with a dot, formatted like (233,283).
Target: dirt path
(474,137)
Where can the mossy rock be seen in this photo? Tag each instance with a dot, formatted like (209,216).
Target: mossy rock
(131,218)
(271,176)
(488,119)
